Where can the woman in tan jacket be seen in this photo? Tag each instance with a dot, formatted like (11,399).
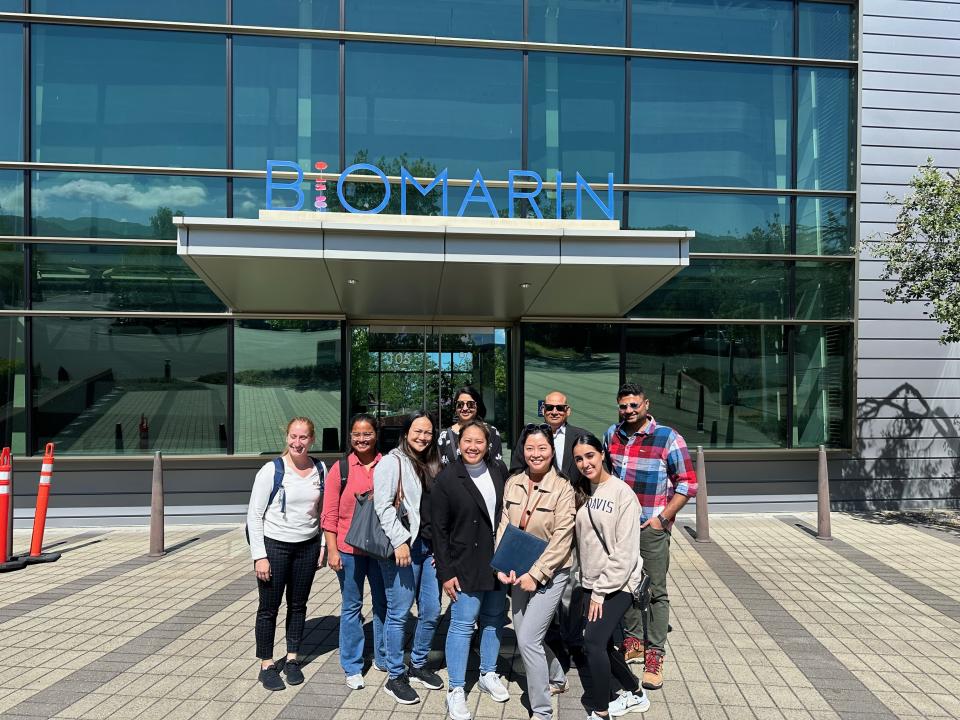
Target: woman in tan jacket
(540,501)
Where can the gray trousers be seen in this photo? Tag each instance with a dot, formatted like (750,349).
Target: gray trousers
(532,615)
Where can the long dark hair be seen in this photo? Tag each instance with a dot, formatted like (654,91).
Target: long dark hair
(475,396)
(427,463)
(582,487)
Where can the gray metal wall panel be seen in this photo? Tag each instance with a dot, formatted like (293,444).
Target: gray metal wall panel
(908,384)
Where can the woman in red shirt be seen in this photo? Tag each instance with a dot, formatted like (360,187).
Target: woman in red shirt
(352,566)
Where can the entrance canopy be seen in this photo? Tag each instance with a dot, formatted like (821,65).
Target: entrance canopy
(429,268)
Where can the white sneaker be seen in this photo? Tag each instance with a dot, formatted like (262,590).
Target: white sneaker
(355,682)
(491,684)
(629,702)
(457,705)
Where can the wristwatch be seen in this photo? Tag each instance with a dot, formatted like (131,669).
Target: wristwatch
(662,519)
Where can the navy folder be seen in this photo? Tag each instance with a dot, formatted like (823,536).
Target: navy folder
(518,551)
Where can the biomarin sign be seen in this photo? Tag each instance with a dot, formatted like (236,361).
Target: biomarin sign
(477,191)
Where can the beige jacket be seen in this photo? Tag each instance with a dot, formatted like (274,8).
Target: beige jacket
(552,511)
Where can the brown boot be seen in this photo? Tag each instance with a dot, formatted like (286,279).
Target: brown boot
(653,669)
(633,650)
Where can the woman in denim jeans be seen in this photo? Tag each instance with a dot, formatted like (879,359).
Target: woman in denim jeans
(466,502)
(410,574)
(354,568)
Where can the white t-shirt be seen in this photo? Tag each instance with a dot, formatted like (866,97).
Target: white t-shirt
(295,522)
(558,444)
(480,474)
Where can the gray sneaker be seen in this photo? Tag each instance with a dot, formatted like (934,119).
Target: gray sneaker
(491,684)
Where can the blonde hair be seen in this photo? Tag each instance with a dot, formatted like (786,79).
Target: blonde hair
(306,421)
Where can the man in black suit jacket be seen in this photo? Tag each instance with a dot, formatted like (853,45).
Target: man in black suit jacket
(556,410)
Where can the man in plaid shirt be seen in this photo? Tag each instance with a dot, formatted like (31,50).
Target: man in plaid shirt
(654,460)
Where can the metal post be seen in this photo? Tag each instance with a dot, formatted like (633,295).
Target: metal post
(823,497)
(730,420)
(713,434)
(156,507)
(679,388)
(663,378)
(703,520)
(700,408)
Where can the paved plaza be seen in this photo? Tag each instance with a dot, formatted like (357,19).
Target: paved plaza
(768,622)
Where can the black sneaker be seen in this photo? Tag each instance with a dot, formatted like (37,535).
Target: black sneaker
(399,689)
(271,679)
(291,668)
(429,679)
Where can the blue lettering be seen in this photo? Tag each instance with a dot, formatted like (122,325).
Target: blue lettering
(406,177)
(376,171)
(606,209)
(477,180)
(511,193)
(292,185)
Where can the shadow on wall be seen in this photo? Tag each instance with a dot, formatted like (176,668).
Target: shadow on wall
(915,462)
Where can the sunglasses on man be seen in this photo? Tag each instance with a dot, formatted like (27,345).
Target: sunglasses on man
(631,406)
(547,407)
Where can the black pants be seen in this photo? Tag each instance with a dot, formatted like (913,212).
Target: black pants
(603,658)
(292,567)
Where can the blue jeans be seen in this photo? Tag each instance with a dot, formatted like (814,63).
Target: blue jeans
(488,610)
(403,586)
(357,568)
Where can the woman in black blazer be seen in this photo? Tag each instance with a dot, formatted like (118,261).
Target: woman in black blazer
(466,501)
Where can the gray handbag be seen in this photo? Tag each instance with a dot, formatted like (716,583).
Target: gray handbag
(366,533)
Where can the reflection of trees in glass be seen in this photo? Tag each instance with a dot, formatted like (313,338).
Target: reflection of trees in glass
(367,195)
(162,223)
(831,237)
(768,239)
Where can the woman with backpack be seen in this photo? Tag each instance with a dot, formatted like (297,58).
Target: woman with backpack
(401,482)
(284,533)
(611,570)
(468,406)
(352,476)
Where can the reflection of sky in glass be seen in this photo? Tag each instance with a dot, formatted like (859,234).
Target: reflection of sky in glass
(11,80)
(209,11)
(122,205)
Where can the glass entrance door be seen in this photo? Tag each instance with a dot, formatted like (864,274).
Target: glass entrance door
(397,369)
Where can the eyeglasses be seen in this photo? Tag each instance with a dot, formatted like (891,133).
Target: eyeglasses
(468,404)
(545,429)
(363,436)
(632,406)
(548,407)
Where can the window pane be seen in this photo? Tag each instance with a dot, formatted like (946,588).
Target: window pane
(120,206)
(455,108)
(825,132)
(827,31)
(115,278)
(698,123)
(285,102)
(825,226)
(11,6)
(11,276)
(321,14)
(718,386)
(580,359)
(750,289)
(163,105)
(11,202)
(824,290)
(11,90)
(205,11)
(100,380)
(13,393)
(749,27)
(822,385)
(580,22)
(723,223)
(576,116)
(271,387)
(491,19)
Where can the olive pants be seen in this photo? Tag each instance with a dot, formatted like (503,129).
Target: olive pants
(655,551)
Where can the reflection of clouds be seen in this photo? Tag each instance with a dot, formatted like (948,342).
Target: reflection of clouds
(11,199)
(140,197)
(249,202)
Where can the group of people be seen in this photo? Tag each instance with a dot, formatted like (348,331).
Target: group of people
(603,509)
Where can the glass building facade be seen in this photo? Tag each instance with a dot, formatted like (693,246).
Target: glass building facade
(735,119)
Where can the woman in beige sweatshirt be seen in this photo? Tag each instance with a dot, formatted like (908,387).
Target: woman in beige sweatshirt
(608,542)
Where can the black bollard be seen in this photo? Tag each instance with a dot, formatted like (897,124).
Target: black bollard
(679,388)
(663,378)
(700,410)
(713,434)
(222,434)
(118,437)
(729,440)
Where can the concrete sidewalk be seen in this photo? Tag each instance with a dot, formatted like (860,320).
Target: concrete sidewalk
(767,621)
